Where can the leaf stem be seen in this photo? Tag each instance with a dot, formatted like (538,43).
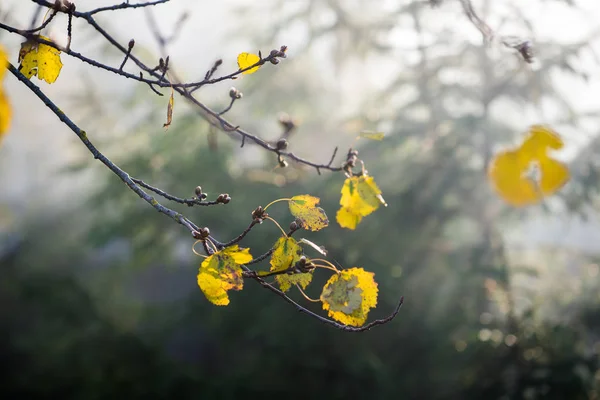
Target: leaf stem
(275,201)
(279,226)
(306,296)
(212,244)
(328,266)
(194,250)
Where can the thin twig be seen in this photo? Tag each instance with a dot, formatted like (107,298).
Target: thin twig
(233,99)
(44,24)
(123,5)
(325,320)
(241,235)
(129,48)
(194,201)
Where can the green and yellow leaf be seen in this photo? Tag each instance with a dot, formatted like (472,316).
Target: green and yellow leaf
(349,295)
(360,197)
(287,253)
(39,59)
(509,170)
(246,60)
(222,272)
(304,208)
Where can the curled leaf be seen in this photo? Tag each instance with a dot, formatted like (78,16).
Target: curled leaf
(286,253)
(222,272)
(319,249)
(526,174)
(304,208)
(39,59)
(246,60)
(170,111)
(372,135)
(360,197)
(349,295)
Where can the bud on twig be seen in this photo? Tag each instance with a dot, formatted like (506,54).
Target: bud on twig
(204,233)
(282,144)
(259,214)
(235,94)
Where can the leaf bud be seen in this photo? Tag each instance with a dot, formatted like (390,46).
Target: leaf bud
(282,144)
(198,191)
(235,94)
(259,214)
(204,233)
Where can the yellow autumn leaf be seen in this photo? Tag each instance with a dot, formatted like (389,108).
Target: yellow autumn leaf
(349,295)
(287,253)
(510,171)
(372,135)
(360,197)
(304,208)
(221,272)
(39,59)
(246,60)
(5,109)
(347,218)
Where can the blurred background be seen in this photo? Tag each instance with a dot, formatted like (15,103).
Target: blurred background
(98,293)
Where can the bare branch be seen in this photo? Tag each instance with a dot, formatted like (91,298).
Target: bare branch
(122,6)
(82,135)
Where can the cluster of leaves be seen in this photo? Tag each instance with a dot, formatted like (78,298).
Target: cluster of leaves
(349,294)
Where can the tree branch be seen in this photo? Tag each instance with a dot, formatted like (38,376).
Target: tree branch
(82,135)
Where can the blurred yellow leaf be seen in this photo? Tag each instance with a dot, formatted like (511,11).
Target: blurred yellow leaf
(221,272)
(360,197)
(287,253)
(372,135)
(246,60)
(3,63)
(39,59)
(349,295)
(5,109)
(512,172)
(304,208)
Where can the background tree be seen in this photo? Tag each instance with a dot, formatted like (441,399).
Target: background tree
(472,330)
